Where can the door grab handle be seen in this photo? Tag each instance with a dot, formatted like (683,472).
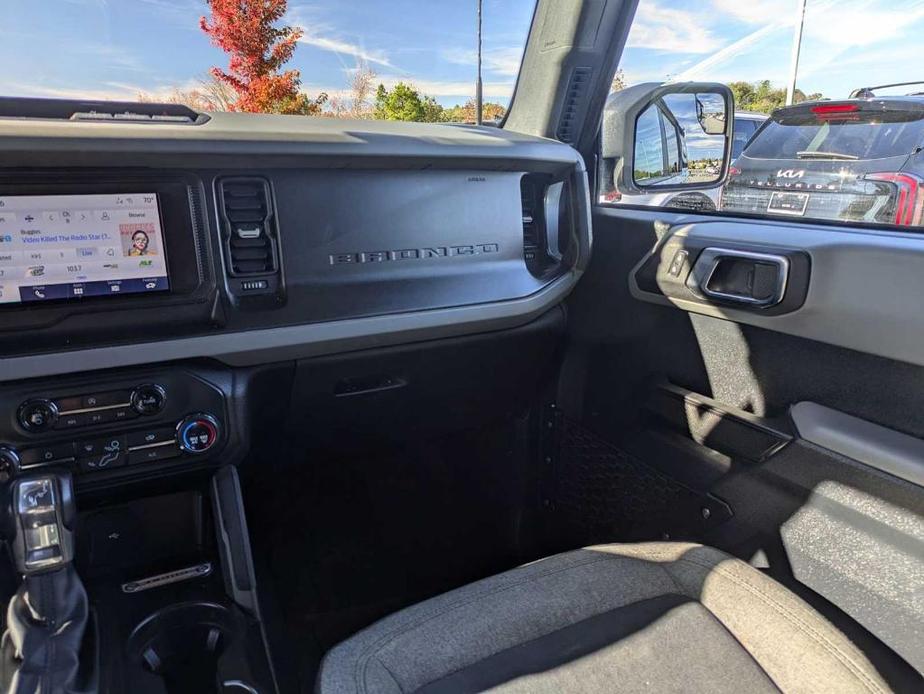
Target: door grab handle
(708,278)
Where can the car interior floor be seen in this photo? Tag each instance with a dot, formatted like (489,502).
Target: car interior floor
(356,536)
(343,538)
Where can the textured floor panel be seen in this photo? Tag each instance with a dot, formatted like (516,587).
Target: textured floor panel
(349,539)
(603,494)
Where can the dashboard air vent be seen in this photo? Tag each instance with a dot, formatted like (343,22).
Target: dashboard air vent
(574,98)
(544,204)
(246,205)
(531,203)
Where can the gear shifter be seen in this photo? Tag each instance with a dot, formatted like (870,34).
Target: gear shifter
(43,513)
(47,617)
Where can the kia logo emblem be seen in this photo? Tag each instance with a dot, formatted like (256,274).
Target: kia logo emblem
(790,173)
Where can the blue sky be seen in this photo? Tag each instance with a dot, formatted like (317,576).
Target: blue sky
(846,43)
(118,48)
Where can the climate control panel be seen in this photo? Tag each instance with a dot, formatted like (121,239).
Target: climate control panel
(195,435)
(164,419)
(75,412)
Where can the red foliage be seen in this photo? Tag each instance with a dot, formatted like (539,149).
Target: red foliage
(246,29)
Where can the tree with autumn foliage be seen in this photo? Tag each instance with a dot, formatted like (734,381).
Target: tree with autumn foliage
(247,30)
(465,113)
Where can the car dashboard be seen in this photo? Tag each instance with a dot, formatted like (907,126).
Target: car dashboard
(263,239)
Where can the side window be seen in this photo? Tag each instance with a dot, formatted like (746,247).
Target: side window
(744,129)
(649,146)
(820,151)
(674,147)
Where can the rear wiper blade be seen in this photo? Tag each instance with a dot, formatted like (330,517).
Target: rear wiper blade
(825,155)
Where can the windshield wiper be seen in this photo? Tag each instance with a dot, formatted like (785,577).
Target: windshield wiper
(825,155)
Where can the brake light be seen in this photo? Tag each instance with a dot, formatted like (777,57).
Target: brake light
(733,171)
(827,109)
(909,203)
(837,113)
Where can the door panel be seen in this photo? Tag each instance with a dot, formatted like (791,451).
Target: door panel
(847,534)
(863,285)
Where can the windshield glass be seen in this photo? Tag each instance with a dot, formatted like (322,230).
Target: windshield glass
(399,60)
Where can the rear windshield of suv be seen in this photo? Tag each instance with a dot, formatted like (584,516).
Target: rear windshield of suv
(866,135)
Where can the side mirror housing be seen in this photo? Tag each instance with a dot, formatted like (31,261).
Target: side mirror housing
(667,137)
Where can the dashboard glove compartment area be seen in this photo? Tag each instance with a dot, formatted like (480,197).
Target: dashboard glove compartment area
(420,390)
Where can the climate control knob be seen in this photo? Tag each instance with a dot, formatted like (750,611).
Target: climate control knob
(197,433)
(148,399)
(9,464)
(37,415)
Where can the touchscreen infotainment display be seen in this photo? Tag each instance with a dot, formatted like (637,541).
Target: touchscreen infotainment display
(77,246)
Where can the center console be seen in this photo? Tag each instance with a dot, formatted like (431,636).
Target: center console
(132,491)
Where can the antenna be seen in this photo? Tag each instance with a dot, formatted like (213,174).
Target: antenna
(796,47)
(478,92)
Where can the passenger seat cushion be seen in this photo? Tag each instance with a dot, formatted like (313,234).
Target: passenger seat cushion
(652,617)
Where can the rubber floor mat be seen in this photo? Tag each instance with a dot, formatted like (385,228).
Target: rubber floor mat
(603,494)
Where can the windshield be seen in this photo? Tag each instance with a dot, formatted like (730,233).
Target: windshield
(398,60)
(866,135)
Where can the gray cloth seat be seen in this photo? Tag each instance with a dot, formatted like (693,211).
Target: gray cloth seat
(655,617)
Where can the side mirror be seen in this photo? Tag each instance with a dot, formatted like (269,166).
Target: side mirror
(711,113)
(661,138)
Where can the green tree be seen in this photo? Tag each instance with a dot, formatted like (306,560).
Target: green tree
(404,102)
(465,113)
(762,96)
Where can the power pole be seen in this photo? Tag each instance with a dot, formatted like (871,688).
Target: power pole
(796,47)
(478,93)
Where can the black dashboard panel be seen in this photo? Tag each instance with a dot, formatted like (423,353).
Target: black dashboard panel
(385,233)
(363,243)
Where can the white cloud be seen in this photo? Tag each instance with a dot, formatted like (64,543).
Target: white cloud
(667,29)
(755,12)
(343,47)
(503,61)
(323,35)
(705,68)
(102,91)
(851,25)
(114,92)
